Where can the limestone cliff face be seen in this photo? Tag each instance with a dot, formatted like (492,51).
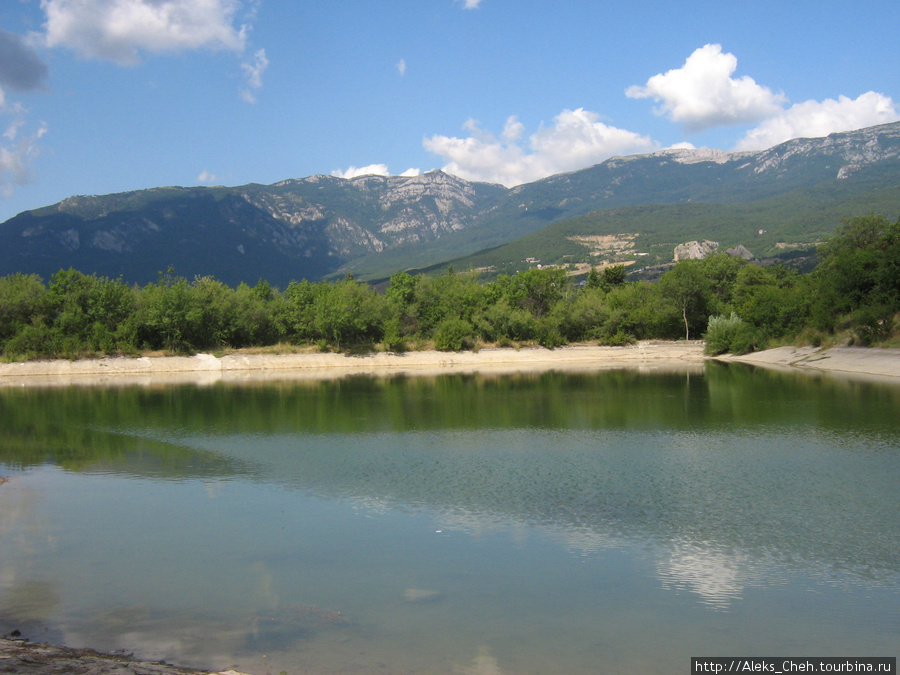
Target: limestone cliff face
(374,213)
(695,250)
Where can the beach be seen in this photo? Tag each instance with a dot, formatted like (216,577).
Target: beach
(205,369)
(650,355)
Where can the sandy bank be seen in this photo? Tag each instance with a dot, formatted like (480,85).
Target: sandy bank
(849,361)
(208,369)
(651,356)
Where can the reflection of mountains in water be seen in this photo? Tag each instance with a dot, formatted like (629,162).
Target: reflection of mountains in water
(752,464)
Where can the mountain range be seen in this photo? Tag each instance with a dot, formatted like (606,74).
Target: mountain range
(633,209)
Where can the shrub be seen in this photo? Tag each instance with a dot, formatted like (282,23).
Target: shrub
(454,334)
(871,325)
(729,334)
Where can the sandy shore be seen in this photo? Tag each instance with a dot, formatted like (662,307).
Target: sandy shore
(858,362)
(208,369)
(205,369)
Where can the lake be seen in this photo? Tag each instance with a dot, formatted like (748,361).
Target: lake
(614,522)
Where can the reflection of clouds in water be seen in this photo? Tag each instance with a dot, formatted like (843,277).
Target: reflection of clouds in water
(25,604)
(719,578)
(583,540)
(575,539)
(19,519)
(371,506)
(482,664)
(28,602)
(213,488)
(188,639)
(482,524)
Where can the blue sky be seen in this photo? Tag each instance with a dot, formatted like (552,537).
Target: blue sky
(100,96)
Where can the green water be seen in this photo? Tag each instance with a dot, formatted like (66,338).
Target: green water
(611,522)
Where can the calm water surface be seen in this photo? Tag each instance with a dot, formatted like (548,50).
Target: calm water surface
(613,522)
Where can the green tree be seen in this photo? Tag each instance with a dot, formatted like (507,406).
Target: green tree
(536,290)
(90,313)
(860,265)
(688,289)
(24,310)
(638,311)
(23,299)
(768,298)
(349,313)
(253,316)
(165,315)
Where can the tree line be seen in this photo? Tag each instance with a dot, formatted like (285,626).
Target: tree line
(736,306)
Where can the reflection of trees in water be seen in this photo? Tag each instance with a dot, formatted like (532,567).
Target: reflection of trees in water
(764,462)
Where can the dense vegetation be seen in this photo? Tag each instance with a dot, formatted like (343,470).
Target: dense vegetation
(853,294)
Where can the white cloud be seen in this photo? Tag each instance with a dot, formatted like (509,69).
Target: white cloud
(21,68)
(820,118)
(17,149)
(254,71)
(371,170)
(471,4)
(401,67)
(207,177)
(119,30)
(702,94)
(575,140)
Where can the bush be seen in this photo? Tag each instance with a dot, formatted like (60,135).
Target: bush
(454,334)
(729,334)
(872,324)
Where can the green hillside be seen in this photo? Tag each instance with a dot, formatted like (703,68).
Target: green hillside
(767,228)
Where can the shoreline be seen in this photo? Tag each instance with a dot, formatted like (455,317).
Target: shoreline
(869,363)
(648,355)
(241,367)
(18,655)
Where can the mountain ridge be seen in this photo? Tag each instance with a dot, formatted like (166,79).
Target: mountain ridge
(319,226)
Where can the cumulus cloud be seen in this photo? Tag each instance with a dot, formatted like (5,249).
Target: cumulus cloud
(575,140)
(20,67)
(371,170)
(471,4)
(17,148)
(703,94)
(20,70)
(401,67)
(254,70)
(207,177)
(119,30)
(820,118)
